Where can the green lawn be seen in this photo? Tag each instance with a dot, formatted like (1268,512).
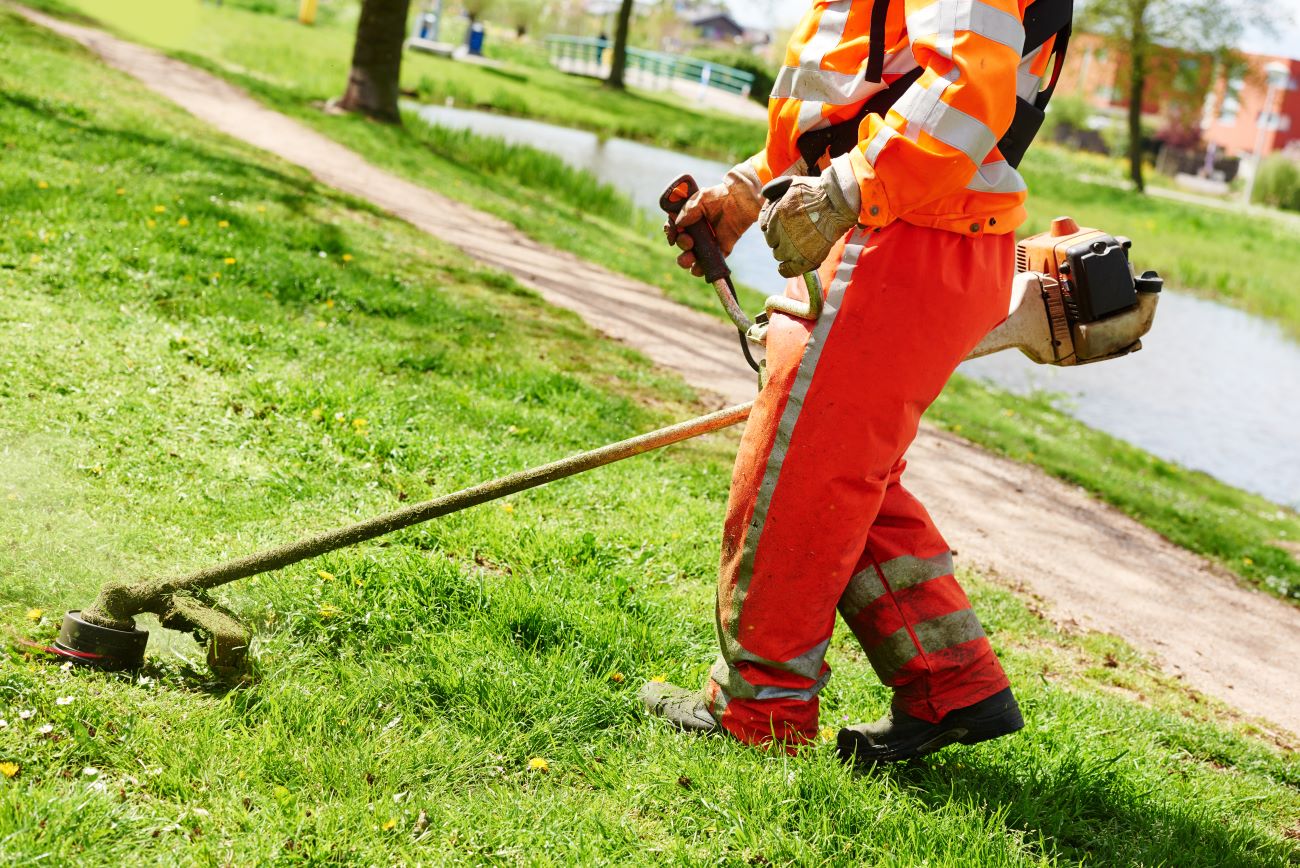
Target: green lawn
(206,352)
(570,210)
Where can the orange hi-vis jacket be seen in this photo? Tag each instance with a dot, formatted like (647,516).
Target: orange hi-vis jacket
(932,160)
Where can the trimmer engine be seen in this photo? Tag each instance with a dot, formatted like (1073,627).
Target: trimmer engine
(1075,299)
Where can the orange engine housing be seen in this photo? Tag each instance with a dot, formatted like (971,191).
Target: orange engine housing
(1047,252)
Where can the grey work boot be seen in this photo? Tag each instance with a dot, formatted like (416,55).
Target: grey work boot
(902,737)
(684,709)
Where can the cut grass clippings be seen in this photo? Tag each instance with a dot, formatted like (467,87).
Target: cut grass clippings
(206,352)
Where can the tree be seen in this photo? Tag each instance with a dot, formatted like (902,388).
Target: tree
(522,15)
(475,9)
(618,63)
(377,60)
(1138,29)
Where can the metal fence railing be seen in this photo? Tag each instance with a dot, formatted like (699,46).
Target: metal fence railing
(591,56)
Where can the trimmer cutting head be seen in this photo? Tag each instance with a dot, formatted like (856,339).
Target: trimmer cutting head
(99,647)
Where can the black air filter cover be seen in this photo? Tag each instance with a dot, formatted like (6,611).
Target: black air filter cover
(1100,281)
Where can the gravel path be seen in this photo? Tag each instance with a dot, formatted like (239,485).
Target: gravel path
(1087,562)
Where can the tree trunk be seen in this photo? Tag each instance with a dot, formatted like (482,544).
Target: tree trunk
(377,60)
(619,61)
(1137,80)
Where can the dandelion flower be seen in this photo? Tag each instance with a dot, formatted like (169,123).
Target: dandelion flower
(184,221)
(827,733)
(328,611)
(121,191)
(229,260)
(616,677)
(35,614)
(659,679)
(390,825)
(329,577)
(261,209)
(44,185)
(347,257)
(509,508)
(359,423)
(318,413)
(537,764)
(151,223)
(9,770)
(223,224)
(1248,561)
(329,302)
(160,209)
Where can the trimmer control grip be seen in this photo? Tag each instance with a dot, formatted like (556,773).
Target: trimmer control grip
(704,243)
(776,188)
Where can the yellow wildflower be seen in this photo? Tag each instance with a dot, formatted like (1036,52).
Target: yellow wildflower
(34,614)
(151,223)
(537,764)
(317,414)
(223,224)
(43,184)
(329,577)
(616,677)
(359,423)
(160,209)
(36,257)
(329,302)
(347,257)
(659,679)
(1248,561)
(9,770)
(184,221)
(328,611)
(261,209)
(827,733)
(121,191)
(390,825)
(229,260)
(508,507)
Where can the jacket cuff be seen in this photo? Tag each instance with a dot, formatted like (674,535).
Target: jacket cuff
(853,170)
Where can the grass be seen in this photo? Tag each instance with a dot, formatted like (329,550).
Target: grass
(570,210)
(164,406)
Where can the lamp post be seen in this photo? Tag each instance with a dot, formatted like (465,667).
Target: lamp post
(1276,73)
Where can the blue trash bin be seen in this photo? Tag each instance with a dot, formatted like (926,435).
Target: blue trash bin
(476,34)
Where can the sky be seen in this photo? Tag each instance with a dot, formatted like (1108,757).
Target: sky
(1283,39)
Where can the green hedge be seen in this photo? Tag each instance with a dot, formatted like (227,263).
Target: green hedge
(1278,183)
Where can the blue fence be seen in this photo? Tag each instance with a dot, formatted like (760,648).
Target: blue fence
(591,56)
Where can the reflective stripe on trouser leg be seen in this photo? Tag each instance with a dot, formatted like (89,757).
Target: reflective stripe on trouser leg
(842,403)
(911,616)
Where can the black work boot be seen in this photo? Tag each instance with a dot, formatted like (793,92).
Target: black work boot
(684,709)
(900,736)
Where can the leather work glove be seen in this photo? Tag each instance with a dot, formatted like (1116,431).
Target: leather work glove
(730,207)
(803,225)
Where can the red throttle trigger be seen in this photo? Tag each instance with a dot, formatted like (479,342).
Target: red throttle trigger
(705,244)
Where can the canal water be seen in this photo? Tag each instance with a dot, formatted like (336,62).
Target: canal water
(1213,388)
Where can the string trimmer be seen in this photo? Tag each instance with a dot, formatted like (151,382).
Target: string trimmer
(1075,300)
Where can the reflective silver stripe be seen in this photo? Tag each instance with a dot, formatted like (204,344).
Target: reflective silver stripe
(1027,83)
(947,631)
(954,127)
(830,32)
(808,663)
(878,142)
(839,88)
(921,101)
(906,571)
(944,19)
(889,656)
(901,572)
(734,686)
(863,589)
(997,177)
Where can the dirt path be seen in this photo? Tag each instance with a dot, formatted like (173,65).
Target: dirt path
(1089,563)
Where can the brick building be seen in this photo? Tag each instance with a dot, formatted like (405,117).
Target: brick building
(1190,90)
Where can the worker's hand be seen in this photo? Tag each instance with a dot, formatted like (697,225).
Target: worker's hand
(730,207)
(803,225)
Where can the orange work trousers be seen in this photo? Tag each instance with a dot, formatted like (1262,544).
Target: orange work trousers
(818,520)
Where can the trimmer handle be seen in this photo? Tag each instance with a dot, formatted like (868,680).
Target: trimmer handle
(705,244)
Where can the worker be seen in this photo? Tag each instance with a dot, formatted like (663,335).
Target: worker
(909,223)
